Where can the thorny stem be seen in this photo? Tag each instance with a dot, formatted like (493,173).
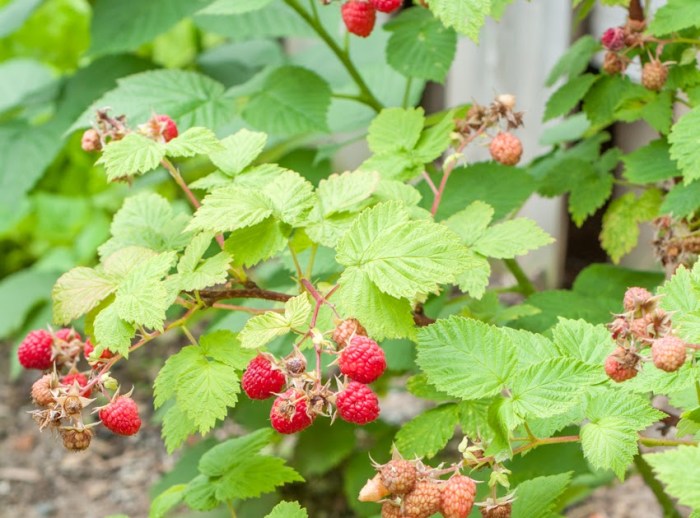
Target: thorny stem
(652,483)
(524,282)
(366,96)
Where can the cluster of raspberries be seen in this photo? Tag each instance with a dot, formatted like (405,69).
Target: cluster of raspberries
(360,16)
(410,489)
(619,41)
(160,128)
(642,325)
(63,392)
(300,396)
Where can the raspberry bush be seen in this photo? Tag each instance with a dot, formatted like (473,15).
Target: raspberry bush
(197,197)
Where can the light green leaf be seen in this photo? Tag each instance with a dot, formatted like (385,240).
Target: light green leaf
(287,510)
(608,443)
(166,501)
(428,433)
(177,427)
(620,222)
(111,332)
(474,279)
(194,141)
(681,293)
(679,470)
(196,276)
(402,258)
(222,457)
(240,149)
(674,16)
(466,358)
(256,243)
(121,262)
(292,197)
(262,329)
(636,411)
(297,311)
(79,291)
(682,200)
(583,341)
(224,7)
(14,14)
(134,154)
(470,223)
(685,144)
(253,476)
(465,16)
(395,129)
(568,96)
(230,208)
(291,100)
(575,60)
(224,346)
(512,238)
(20,294)
(537,497)
(345,192)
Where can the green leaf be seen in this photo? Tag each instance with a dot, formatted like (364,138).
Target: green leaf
(681,292)
(131,23)
(291,100)
(395,129)
(471,223)
(177,427)
(685,144)
(465,358)
(134,154)
(512,238)
(262,329)
(428,433)
(590,191)
(676,15)
(196,276)
(636,411)
(475,277)
(200,494)
(14,14)
(402,258)
(287,510)
(166,501)
(258,242)
(682,200)
(147,220)
(568,96)
(20,293)
(575,60)
(253,476)
(219,459)
(79,291)
(679,470)
(20,79)
(223,7)
(420,46)
(538,497)
(230,208)
(113,333)
(650,163)
(224,346)
(292,197)
(194,141)
(345,192)
(583,341)
(465,16)
(240,149)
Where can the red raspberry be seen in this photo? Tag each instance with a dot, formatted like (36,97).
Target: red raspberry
(41,390)
(289,412)
(121,416)
(458,497)
(423,501)
(261,380)
(637,300)
(357,404)
(35,351)
(398,476)
(346,329)
(613,39)
(76,440)
(90,141)
(359,17)
(621,365)
(654,75)
(67,335)
(668,353)
(88,348)
(82,380)
(506,148)
(168,128)
(497,511)
(362,360)
(386,6)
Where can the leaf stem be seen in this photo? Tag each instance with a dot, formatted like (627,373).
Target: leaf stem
(524,282)
(644,469)
(312,259)
(366,96)
(407,92)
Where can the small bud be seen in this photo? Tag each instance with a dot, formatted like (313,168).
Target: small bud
(91,141)
(507,100)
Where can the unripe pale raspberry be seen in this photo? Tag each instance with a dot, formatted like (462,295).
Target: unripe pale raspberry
(289,413)
(78,377)
(41,391)
(346,329)
(35,351)
(498,511)
(423,501)
(90,141)
(654,75)
(621,365)
(619,328)
(391,510)
(386,6)
(359,17)
(399,476)
(458,497)
(668,353)
(76,440)
(613,39)
(613,64)
(638,300)
(362,360)
(357,404)
(261,380)
(121,416)
(506,148)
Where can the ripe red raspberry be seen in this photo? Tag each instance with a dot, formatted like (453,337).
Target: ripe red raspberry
(668,353)
(289,412)
(41,390)
(386,6)
(261,380)
(359,17)
(362,360)
(458,497)
(423,501)
(497,511)
(638,300)
(613,64)
(506,148)
(398,476)
(121,416)
(76,440)
(82,380)
(621,365)
(90,141)
(654,75)
(357,404)
(613,39)
(35,351)
(67,335)
(88,348)
(346,329)
(168,127)
(391,510)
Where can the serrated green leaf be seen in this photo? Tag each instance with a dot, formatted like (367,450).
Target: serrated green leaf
(582,341)
(568,96)
(465,16)
(418,386)
(682,200)
(166,501)
(471,223)
(401,257)
(345,192)
(636,411)
(177,427)
(222,457)
(195,276)
(465,358)
(240,149)
(650,163)
(537,497)
(194,141)
(262,329)
(292,100)
(435,140)
(254,476)
(679,470)
(134,154)
(79,291)
(681,292)
(258,242)
(297,311)
(474,279)
(292,197)
(287,510)
(531,348)
(575,60)
(111,332)
(224,346)
(609,443)
(620,222)
(395,129)
(230,208)
(420,46)
(512,238)
(674,16)
(591,190)
(427,434)
(200,494)
(685,144)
